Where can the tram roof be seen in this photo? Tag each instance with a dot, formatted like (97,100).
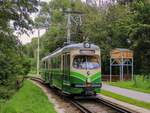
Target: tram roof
(70,47)
(122,49)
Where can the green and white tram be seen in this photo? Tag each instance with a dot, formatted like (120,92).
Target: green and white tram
(74,69)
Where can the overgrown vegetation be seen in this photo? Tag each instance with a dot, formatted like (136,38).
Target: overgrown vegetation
(29,99)
(14,16)
(126,99)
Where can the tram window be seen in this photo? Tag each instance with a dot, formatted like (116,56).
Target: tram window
(56,62)
(53,63)
(86,62)
(49,64)
(68,61)
(45,64)
(66,65)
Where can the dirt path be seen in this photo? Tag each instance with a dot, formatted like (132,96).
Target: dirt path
(60,105)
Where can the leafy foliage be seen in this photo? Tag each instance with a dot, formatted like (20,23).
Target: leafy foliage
(140,34)
(14,15)
(18,11)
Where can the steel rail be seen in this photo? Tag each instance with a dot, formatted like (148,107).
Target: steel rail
(114,106)
(36,79)
(80,107)
(99,100)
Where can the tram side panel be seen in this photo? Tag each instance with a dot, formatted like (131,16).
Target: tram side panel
(56,73)
(45,71)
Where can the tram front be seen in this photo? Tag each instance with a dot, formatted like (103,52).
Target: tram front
(85,74)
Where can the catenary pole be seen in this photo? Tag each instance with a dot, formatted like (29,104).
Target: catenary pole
(38,51)
(68,27)
(38,47)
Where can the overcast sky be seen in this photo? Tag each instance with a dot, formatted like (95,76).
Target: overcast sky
(26,39)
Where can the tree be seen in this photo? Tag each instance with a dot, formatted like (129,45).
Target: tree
(14,16)
(140,34)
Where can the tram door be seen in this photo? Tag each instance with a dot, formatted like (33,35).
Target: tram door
(66,68)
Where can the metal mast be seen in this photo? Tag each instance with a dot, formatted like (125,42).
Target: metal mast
(75,17)
(38,59)
(69,26)
(38,47)
(41,25)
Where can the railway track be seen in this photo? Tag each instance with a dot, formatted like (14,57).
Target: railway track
(98,105)
(93,105)
(37,79)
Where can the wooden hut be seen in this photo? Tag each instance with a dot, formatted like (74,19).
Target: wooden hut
(122,58)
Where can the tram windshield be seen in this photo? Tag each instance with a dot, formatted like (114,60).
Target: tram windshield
(86,62)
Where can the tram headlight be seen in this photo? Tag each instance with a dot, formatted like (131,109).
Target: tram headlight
(87,44)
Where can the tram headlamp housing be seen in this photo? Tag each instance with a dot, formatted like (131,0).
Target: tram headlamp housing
(87,45)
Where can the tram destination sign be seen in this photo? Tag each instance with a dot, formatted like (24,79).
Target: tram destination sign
(87,51)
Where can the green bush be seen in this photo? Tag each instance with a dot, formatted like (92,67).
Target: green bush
(13,67)
(142,82)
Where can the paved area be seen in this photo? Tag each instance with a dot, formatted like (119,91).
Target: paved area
(128,93)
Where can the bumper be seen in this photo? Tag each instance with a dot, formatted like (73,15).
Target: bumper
(87,85)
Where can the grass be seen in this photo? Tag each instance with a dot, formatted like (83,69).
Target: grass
(126,99)
(2,103)
(140,85)
(29,99)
